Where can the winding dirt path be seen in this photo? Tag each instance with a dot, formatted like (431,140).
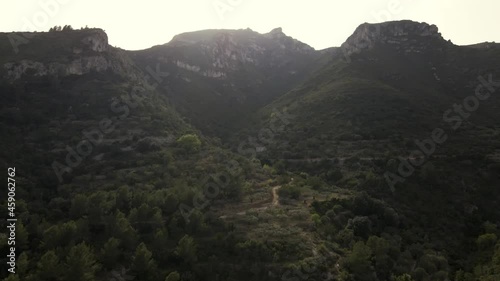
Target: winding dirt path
(275,202)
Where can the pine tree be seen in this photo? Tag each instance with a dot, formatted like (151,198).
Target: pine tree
(124,231)
(48,267)
(110,253)
(21,236)
(22,264)
(186,249)
(81,263)
(143,263)
(161,245)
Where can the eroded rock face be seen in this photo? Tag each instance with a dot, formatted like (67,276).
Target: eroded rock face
(407,35)
(97,41)
(88,51)
(76,67)
(225,51)
(287,42)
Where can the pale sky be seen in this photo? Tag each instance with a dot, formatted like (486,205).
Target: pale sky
(134,25)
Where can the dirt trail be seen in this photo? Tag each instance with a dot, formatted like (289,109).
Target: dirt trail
(276,197)
(275,202)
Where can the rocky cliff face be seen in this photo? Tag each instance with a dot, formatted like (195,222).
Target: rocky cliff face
(226,51)
(287,42)
(405,36)
(96,41)
(15,70)
(81,52)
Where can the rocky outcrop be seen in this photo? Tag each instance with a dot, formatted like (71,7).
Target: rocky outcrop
(276,33)
(77,67)
(83,51)
(407,36)
(193,68)
(287,42)
(96,41)
(225,51)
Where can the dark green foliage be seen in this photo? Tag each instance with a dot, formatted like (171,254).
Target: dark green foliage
(358,263)
(361,226)
(186,249)
(110,253)
(49,267)
(81,263)
(143,263)
(173,276)
(290,191)
(190,143)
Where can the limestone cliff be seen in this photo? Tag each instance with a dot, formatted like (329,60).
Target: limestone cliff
(80,52)
(406,36)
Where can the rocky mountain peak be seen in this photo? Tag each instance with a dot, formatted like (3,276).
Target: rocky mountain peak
(97,40)
(276,33)
(287,42)
(225,51)
(405,34)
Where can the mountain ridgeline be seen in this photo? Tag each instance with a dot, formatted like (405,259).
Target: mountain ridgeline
(217,78)
(167,164)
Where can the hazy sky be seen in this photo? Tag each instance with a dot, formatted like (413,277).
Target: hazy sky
(320,23)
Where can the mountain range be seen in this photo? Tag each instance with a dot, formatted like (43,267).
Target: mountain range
(235,155)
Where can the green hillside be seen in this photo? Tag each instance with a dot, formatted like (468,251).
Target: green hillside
(365,122)
(109,177)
